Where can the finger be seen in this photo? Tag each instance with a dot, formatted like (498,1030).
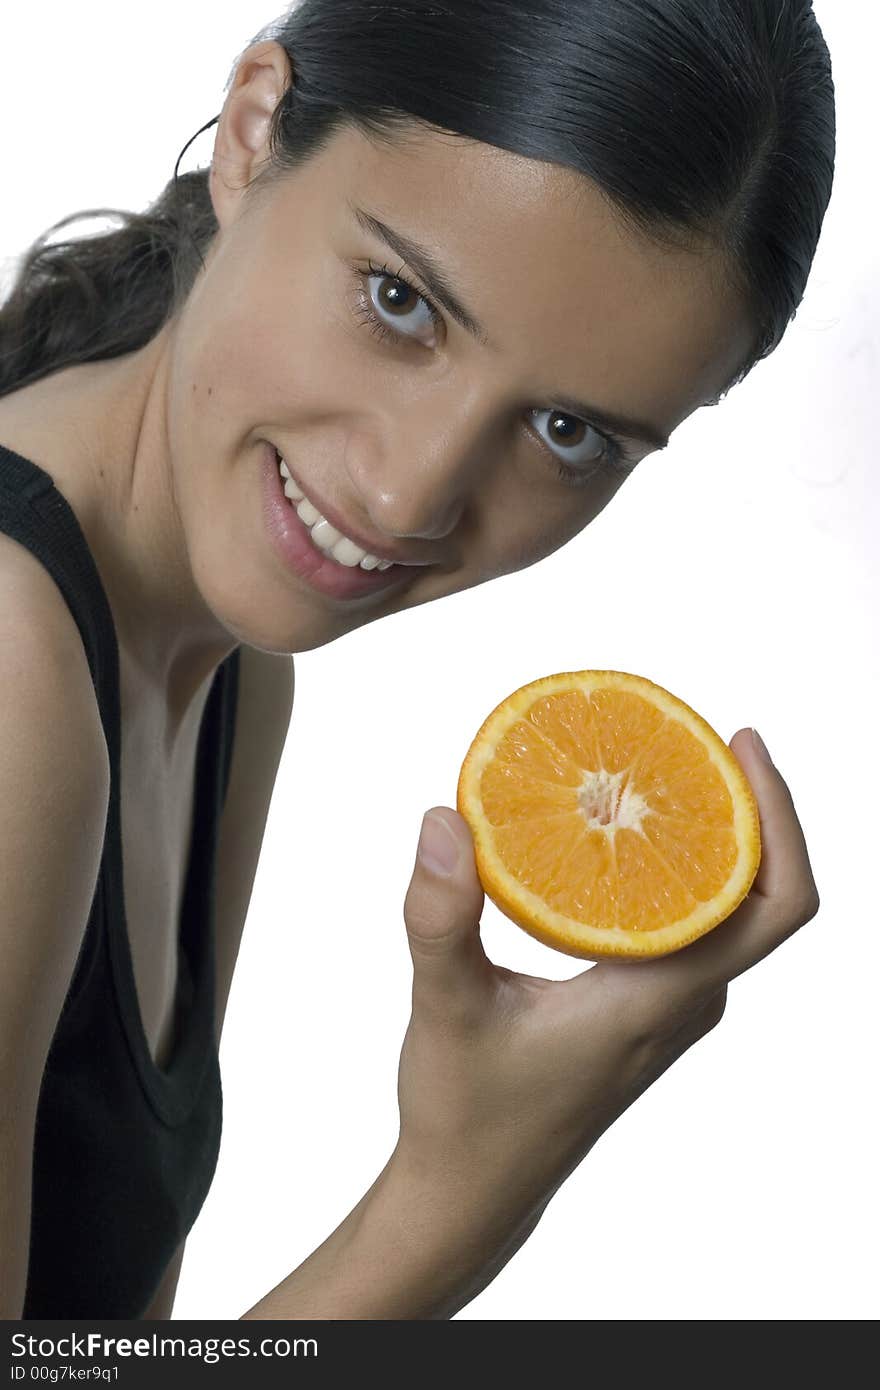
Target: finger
(785,874)
(442,913)
(782,899)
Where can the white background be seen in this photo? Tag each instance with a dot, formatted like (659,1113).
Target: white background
(739,570)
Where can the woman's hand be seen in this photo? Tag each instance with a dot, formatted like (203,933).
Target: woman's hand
(507,1080)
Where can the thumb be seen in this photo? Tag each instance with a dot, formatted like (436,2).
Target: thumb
(443,905)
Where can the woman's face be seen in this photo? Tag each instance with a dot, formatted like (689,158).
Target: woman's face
(454,452)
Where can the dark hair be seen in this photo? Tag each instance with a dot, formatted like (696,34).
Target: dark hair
(702,122)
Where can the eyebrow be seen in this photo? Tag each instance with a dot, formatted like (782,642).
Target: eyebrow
(438,284)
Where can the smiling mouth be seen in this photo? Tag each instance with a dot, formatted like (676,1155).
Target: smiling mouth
(299,549)
(329,539)
(323,534)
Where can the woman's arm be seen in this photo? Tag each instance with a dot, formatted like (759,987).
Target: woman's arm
(414,1247)
(506,1081)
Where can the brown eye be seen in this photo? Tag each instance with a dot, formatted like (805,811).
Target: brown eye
(573,440)
(400,302)
(570,432)
(396,296)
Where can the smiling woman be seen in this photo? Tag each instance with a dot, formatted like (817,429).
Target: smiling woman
(564,231)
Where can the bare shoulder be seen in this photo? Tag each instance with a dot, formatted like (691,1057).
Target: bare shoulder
(37,627)
(45,674)
(27,589)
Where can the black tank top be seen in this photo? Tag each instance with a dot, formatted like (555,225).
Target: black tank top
(124,1151)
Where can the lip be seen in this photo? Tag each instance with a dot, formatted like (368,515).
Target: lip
(341,525)
(299,555)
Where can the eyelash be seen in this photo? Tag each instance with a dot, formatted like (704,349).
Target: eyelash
(617,459)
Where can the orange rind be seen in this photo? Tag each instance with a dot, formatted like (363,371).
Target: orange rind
(608,818)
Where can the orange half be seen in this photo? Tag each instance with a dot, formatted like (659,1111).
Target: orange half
(608,818)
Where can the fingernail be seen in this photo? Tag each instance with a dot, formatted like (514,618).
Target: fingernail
(761,747)
(438,847)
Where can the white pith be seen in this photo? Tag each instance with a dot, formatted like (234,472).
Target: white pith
(326,537)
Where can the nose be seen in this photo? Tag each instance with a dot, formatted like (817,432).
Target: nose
(415,494)
(420,474)
(418,507)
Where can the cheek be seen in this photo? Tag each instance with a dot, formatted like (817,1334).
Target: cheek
(255,349)
(533,532)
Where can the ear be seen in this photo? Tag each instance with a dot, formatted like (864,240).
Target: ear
(241,146)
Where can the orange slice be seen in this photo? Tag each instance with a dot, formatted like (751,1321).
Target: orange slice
(608,818)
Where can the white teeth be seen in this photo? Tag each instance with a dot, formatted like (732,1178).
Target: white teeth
(305,511)
(325,536)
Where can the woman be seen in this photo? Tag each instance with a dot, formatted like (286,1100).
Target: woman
(564,233)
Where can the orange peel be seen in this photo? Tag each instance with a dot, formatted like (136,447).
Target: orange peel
(609,819)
